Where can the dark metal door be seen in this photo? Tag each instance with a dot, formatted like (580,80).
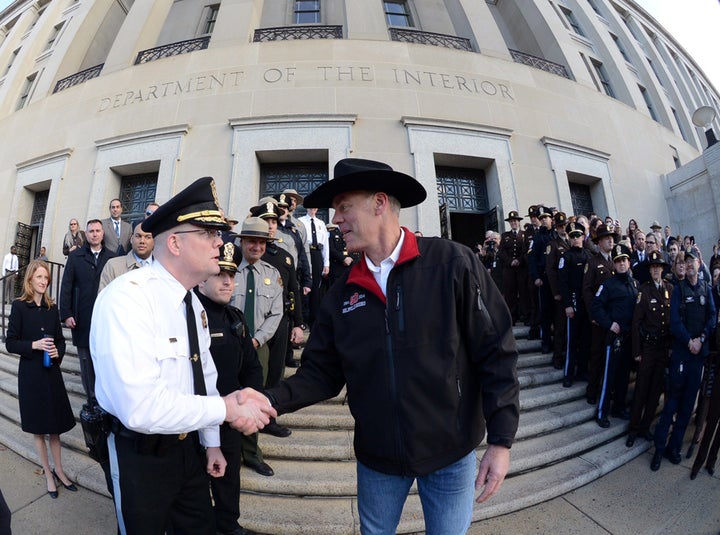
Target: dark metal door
(581,198)
(445,231)
(491,219)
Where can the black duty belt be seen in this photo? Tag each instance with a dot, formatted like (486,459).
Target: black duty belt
(145,444)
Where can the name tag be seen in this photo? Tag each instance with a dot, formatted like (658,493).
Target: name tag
(653,301)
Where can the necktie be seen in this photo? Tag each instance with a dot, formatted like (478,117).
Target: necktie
(96,257)
(117,228)
(198,379)
(250,299)
(314,232)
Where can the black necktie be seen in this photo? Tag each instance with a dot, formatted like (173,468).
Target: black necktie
(96,257)
(198,379)
(250,299)
(314,232)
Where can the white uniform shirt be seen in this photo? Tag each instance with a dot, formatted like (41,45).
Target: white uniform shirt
(140,350)
(322,235)
(10,263)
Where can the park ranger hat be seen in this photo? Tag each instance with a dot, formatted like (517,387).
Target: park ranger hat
(230,255)
(532,211)
(514,215)
(197,204)
(655,225)
(266,209)
(619,252)
(605,230)
(575,230)
(355,174)
(254,227)
(294,194)
(656,259)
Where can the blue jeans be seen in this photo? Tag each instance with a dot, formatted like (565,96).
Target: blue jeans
(446,496)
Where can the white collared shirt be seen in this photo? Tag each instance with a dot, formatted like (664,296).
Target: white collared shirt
(382,272)
(10,263)
(140,350)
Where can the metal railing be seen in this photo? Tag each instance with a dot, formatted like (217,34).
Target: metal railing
(56,272)
(173,49)
(539,63)
(289,33)
(78,78)
(429,38)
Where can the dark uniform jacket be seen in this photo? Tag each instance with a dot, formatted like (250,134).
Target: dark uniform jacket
(304,275)
(597,270)
(614,302)
(231,348)
(512,247)
(558,246)
(571,269)
(421,386)
(79,289)
(537,254)
(651,320)
(692,314)
(281,260)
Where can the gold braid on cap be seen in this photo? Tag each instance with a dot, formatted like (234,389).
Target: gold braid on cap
(209,216)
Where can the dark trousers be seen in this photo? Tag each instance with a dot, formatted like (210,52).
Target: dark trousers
(559,331)
(5,516)
(616,376)
(154,491)
(596,362)
(710,443)
(515,290)
(87,372)
(226,489)
(546,305)
(681,391)
(648,386)
(534,306)
(278,345)
(316,295)
(577,343)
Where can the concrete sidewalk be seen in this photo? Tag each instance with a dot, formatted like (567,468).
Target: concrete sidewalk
(631,500)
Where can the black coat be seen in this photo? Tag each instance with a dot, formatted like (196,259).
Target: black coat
(79,289)
(44,404)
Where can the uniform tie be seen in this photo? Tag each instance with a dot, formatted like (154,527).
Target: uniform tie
(198,379)
(314,232)
(250,299)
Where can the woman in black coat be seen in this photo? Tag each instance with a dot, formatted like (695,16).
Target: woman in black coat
(34,328)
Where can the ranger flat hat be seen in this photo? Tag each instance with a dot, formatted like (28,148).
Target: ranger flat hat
(355,174)
(266,210)
(575,229)
(656,259)
(655,224)
(514,215)
(294,194)
(605,230)
(254,227)
(197,204)
(619,252)
(532,211)
(230,256)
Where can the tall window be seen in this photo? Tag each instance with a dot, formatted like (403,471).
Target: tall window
(398,14)
(12,60)
(212,13)
(572,21)
(679,124)
(603,78)
(136,192)
(54,35)
(620,47)
(26,90)
(307,12)
(648,102)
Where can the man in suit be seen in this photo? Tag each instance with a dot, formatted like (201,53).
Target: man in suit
(79,289)
(9,270)
(140,256)
(117,232)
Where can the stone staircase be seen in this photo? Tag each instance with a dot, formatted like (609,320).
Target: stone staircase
(558,448)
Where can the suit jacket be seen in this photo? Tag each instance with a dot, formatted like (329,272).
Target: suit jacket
(117,266)
(79,289)
(121,246)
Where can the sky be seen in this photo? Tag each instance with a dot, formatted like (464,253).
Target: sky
(693,23)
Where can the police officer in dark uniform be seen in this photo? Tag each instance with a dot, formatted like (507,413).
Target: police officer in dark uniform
(612,308)
(537,261)
(692,322)
(238,366)
(290,231)
(571,268)
(514,281)
(650,347)
(558,246)
(598,269)
(533,311)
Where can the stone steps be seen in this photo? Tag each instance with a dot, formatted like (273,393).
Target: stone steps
(558,448)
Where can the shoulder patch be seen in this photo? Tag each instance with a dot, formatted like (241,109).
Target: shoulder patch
(548,249)
(639,297)
(287,261)
(561,264)
(586,267)
(599,291)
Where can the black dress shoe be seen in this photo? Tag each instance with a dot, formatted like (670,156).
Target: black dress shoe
(710,470)
(656,460)
(276,430)
(567,382)
(673,456)
(694,472)
(630,442)
(261,468)
(53,493)
(603,422)
(70,487)
(623,415)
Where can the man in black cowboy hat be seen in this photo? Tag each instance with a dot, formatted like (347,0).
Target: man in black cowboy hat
(511,253)
(237,366)
(612,309)
(421,386)
(150,344)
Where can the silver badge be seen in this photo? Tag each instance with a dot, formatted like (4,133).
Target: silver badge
(702,300)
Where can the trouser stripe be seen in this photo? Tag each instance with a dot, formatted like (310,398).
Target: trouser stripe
(115,477)
(604,390)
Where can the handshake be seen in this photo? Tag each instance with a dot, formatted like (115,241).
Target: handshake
(248,410)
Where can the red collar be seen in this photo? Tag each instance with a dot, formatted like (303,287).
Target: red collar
(361,275)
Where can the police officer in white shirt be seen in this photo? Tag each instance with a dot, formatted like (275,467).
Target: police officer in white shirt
(156,378)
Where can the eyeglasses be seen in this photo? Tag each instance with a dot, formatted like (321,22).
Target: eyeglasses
(210,234)
(148,212)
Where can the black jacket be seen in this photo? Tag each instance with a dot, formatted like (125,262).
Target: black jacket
(425,368)
(614,302)
(79,289)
